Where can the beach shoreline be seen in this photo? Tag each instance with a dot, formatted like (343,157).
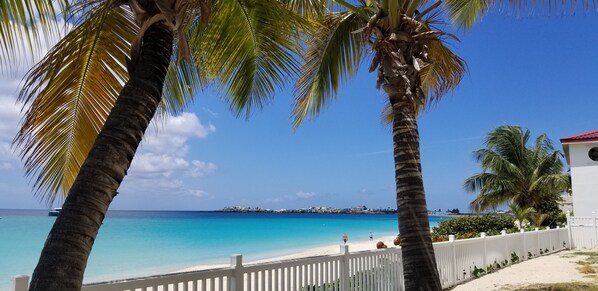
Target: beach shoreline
(324,250)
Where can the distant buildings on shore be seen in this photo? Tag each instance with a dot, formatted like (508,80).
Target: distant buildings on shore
(360,209)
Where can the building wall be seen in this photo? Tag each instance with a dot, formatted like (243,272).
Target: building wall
(584,179)
(567,203)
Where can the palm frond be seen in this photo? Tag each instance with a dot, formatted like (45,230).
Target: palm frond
(311,9)
(28,25)
(538,218)
(465,13)
(71,91)
(333,56)
(183,80)
(553,183)
(444,73)
(248,49)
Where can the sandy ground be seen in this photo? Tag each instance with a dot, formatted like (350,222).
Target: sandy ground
(555,268)
(319,251)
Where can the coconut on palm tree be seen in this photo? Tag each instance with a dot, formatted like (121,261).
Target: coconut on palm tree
(91,98)
(516,172)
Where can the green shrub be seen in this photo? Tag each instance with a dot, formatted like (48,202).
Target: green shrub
(468,235)
(464,226)
(438,238)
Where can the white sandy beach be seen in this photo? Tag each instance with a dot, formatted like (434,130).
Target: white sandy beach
(312,252)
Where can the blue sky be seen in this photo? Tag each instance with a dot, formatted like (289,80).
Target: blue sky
(538,72)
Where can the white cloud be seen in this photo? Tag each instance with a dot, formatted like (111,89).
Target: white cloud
(200,168)
(197,193)
(9,122)
(161,164)
(156,163)
(209,111)
(8,159)
(305,195)
(171,136)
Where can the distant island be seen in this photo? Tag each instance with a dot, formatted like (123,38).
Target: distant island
(360,209)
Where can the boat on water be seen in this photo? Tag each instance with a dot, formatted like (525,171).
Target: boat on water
(54,212)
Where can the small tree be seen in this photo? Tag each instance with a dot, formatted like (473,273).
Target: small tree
(538,218)
(515,172)
(521,214)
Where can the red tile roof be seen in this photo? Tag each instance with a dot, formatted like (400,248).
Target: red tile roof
(583,137)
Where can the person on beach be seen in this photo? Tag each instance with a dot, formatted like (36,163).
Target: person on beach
(371,236)
(345,237)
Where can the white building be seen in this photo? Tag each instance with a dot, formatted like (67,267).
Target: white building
(581,152)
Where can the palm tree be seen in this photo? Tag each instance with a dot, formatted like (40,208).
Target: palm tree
(538,218)
(514,172)
(415,69)
(521,214)
(86,86)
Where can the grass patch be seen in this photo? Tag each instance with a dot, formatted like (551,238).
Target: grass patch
(589,264)
(586,269)
(577,286)
(592,257)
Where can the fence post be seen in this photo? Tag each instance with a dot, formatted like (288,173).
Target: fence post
(454,265)
(524,255)
(237,279)
(485,263)
(558,238)
(549,240)
(503,233)
(537,230)
(569,229)
(344,268)
(595,241)
(20,283)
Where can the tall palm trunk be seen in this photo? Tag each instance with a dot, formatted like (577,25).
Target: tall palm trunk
(419,263)
(401,82)
(64,257)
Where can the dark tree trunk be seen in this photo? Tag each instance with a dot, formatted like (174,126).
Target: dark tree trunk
(401,82)
(419,263)
(64,257)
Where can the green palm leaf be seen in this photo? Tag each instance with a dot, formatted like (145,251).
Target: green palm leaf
(444,73)
(71,92)
(248,49)
(465,13)
(27,25)
(309,8)
(334,54)
(183,80)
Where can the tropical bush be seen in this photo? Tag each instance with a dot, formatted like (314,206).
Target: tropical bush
(438,238)
(471,226)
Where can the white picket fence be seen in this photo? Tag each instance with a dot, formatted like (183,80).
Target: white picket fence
(373,270)
(584,231)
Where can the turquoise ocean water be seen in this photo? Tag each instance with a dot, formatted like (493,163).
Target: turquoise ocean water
(138,243)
